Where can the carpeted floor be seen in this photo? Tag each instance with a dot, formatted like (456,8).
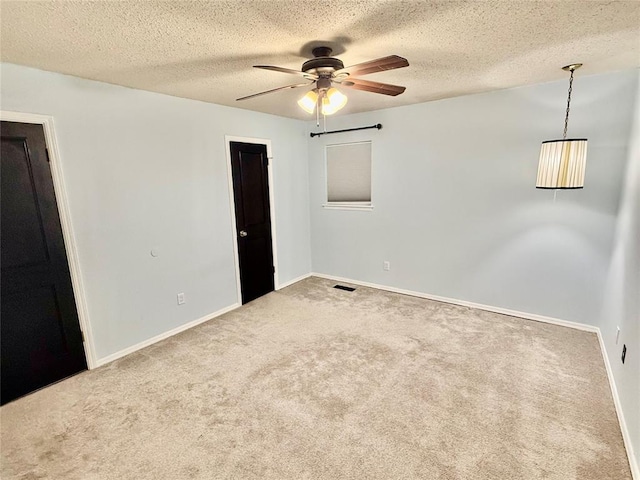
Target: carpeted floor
(317,383)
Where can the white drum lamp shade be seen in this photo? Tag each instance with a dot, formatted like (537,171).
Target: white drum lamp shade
(562,163)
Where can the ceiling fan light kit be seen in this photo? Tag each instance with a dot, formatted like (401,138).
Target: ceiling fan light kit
(324,70)
(309,101)
(332,101)
(562,162)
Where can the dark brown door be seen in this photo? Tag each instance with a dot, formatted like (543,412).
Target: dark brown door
(40,338)
(249,165)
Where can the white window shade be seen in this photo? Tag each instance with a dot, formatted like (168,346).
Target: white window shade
(349,173)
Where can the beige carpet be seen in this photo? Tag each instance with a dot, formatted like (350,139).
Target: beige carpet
(317,383)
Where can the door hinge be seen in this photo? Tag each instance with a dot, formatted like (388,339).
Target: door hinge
(46,151)
(273,269)
(82,335)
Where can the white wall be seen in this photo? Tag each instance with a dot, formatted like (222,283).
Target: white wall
(456,211)
(622,295)
(144,171)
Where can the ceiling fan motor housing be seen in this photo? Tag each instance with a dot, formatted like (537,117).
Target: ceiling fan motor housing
(323,63)
(323,83)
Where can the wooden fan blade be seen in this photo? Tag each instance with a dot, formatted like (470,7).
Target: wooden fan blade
(373,66)
(310,76)
(375,87)
(275,90)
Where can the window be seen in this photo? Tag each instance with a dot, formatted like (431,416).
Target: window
(349,176)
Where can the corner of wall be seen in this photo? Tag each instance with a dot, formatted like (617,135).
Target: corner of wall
(621,305)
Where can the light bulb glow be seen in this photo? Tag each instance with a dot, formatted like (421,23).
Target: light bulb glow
(326,107)
(333,101)
(308,102)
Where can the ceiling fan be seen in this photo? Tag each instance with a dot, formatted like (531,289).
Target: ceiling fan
(324,70)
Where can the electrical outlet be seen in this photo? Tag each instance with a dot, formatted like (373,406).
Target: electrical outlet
(617,334)
(624,352)
(181,299)
(386,266)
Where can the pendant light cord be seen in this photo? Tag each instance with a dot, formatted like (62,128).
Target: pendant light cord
(566,117)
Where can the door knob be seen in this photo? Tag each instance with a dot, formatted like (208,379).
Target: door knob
(243,233)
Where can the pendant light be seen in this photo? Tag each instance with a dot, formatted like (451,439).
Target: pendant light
(562,162)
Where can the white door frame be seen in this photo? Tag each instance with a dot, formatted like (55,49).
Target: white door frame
(272,210)
(65,220)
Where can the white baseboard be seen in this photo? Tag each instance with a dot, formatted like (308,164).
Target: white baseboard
(464,303)
(182,328)
(635,471)
(633,462)
(291,282)
(162,336)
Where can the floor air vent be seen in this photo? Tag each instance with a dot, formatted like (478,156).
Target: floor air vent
(342,287)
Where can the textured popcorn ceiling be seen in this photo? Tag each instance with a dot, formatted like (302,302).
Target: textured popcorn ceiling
(205,50)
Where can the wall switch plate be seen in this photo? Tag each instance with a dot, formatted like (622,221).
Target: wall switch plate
(617,334)
(386,266)
(624,352)
(181,299)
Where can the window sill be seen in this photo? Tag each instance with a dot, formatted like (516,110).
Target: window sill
(348,206)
